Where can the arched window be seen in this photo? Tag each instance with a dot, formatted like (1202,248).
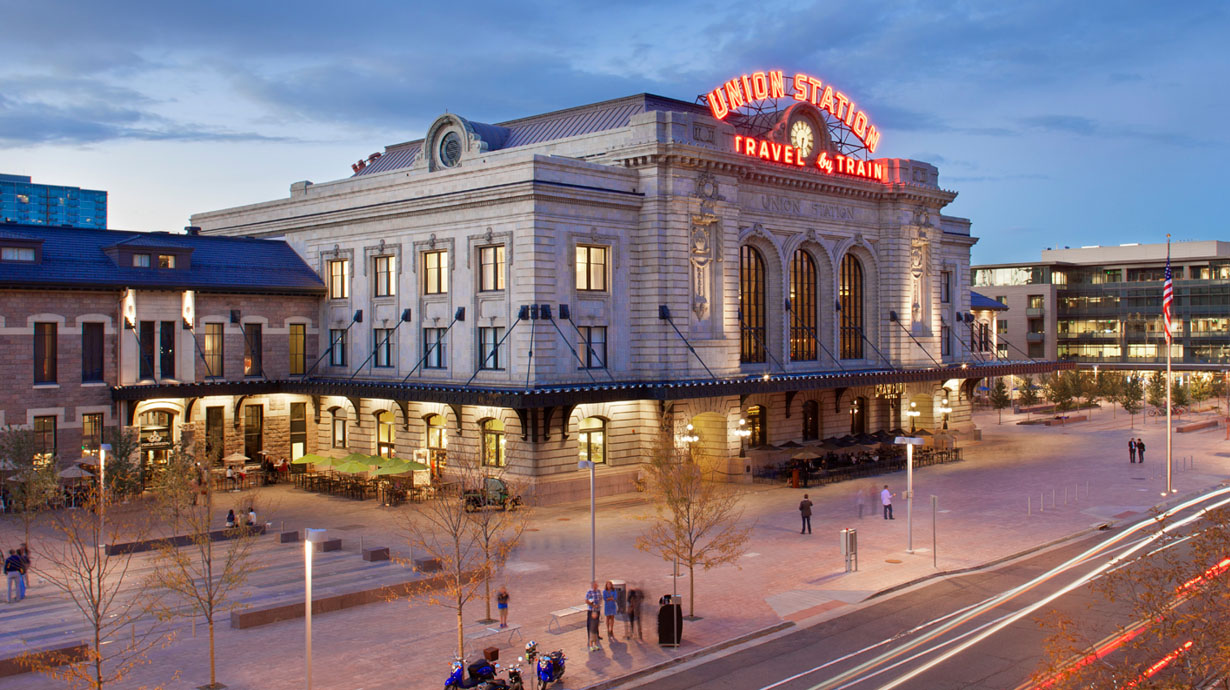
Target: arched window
(850,299)
(437,432)
(858,416)
(385,435)
(592,441)
(751,305)
(811,420)
(758,424)
(493,443)
(802,307)
(339,428)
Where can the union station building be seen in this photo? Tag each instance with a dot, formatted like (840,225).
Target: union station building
(581,284)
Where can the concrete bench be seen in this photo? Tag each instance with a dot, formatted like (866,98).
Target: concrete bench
(51,656)
(328,545)
(1196,426)
(376,553)
(176,541)
(427,565)
(557,617)
(492,630)
(288,537)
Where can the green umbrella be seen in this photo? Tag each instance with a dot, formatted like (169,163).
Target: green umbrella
(407,464)
(352,467)
(313,459)
(393,469)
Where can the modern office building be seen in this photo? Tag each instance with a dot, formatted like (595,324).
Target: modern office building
(27,203)
(1103,305)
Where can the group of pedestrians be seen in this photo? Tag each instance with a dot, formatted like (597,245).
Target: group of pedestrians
(885,496)
(604,603)
(17,572)
(1136,450)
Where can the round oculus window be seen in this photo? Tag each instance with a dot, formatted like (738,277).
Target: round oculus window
(450,149)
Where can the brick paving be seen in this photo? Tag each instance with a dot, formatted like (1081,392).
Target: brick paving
(784,576)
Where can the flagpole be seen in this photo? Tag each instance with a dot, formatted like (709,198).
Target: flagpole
(1169,383)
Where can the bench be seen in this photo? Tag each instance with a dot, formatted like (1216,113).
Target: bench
(376,553)
(558,616)
(491,630)
(427,565)
(1196,426)
(328,545)
(177,541)
(288,537)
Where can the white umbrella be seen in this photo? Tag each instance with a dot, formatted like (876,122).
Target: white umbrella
(88,460)
(235,458)
(74,473)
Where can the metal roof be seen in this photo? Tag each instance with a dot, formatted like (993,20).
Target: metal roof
(980,301)
(76,258)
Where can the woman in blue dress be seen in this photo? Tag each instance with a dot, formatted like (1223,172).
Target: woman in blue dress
(609,607)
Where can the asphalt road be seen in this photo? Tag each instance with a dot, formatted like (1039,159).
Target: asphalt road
(885,644)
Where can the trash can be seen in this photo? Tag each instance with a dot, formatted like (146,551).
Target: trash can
(621,595)
(670,622)
(794,478)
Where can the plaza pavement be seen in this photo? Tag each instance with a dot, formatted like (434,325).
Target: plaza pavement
(784,577)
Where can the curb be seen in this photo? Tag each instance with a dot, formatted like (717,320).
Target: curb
(662,665)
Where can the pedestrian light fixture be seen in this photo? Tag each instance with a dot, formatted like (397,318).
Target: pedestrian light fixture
(690,436)
(912,413)
(743,432)
(310,537)
(945,410)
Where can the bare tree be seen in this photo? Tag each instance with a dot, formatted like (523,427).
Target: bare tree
(696,521)
(499,531)
(101,589)
(202,577)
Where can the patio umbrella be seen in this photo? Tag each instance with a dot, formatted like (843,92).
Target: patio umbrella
(74,472)
(235,458)
(405,464)
(352,467)
(922,432)
(866,440)
(830,443)
(764,446)
(388,469)
(805,455)
(312,459)
(791,444)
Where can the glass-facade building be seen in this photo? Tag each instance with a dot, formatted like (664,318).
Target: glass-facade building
(1104,304)
(25,202)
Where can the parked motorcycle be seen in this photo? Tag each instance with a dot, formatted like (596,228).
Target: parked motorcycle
(514,681)
(548,668)
(480,671)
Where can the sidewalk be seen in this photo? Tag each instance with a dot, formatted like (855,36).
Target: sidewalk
(784,576)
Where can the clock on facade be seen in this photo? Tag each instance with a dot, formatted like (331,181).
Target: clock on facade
(450,149)
(802,137)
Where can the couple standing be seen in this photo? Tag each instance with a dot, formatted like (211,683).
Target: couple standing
(1136,449)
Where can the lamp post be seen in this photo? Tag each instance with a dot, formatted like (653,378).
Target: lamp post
(102,493)
(593,543)
(912,413)
(909,442)
(742,432)
(945,410)
(310,537)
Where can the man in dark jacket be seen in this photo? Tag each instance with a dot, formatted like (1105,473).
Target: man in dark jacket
(12,572)
(805,511)
(1140,450)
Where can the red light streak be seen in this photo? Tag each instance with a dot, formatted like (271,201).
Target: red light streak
(1162,663)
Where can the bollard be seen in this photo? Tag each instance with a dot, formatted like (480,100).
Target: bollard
(1053,499)
(1029,505)
(1065,495)
(934,548)
(1086,488)
(1042,503)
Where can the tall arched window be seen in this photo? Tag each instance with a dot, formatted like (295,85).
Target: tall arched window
(751,305)
(850,298)
(493,443)
(386,437)
(802,307)
(758,424)
(811,420)
(592,441)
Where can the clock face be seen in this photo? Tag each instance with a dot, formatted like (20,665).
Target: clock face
(802,136)
(450,149)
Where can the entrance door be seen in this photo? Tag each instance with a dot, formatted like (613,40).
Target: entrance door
(858,416)
(253,431)
(298,430)
(214,439)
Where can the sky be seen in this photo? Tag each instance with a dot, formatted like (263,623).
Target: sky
(1060,123)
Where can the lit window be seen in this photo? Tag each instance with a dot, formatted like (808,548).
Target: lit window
(758,425)
(25,254)
(591,439)
(386,281)
(213,348)
(489,348)
(491,268)
(252,350)
(45,341)
(337,352)
(591,267)
(298,344)
(435,273)
(23,199)
(140,260)
(166,261)
(386,436)
(91,433)
(493,443)
(850,299)
(802,307)
(44,440)
(339,279)
(339,431)
(751,305)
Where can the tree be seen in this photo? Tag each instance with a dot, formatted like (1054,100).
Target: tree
(1172,596)
(73,562)
(1110,387)
(202,575)
(1028,395)
(1157,391)
(696,521)
(1133,393)
(124,473)
(499,533)
(443,530)
(1180,396)
(1059,390)
(1000,398)
(1201,388)
(32,482)
(1088,389)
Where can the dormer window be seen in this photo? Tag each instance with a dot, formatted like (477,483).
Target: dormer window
(22,254)
(140,260)
(166,261)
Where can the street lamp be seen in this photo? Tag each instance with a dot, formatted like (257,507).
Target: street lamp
(102,492)
(743,432)
(912,413)
(945,410)
(593,544)
(310,537)
(909,442)
(690,436)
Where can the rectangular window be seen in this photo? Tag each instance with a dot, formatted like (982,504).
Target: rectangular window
(945,341)
(45,339)
(298,349)
(214,434)
(91,351)
(1036,301)
(25,254)
(489,349)
(166,349)
(383,342)
(1001,349)
(253,431)
(213,349)
(435,272)
(148,332)
(252,351)
(591,267)
(1037,350)
(91,432)
(337,341)
(491,263)
(386,279)
(593,346)
(44,439)
(166,261)
(339,432)
(298,430)
(339,279)
(140,260)
(434,348)
(945,287)
(1001,326)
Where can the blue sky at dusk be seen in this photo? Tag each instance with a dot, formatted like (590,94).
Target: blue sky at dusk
(1060,123)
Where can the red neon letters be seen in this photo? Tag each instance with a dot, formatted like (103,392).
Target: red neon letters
(757,86)
(789,155)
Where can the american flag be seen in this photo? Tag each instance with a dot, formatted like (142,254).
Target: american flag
(1167,300)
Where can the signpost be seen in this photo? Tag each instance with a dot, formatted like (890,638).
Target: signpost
(909,442)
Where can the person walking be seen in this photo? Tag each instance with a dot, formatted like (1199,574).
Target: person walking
(1131,450)
(886,498)
(860,500)
(23,553)
(634,614)
(1140,450)
(12,572)
(610,606)
(593,614)
(805,511)
(501,603)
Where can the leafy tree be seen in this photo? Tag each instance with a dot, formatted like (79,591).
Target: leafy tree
(124,474)
(1088,388)
(1059,390)
(1157,391)
(1180,396)
(1110,387)
(1000,398)
(1201,388)
(32,482)
(697,522)
(1130,398)
(1028,395)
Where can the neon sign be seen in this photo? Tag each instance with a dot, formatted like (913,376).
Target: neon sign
(758,86)
(837,164)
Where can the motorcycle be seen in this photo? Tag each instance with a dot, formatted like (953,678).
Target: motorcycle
(514,681)
(549,668)
(480,671)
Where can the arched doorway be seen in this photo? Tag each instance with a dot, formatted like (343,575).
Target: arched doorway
(437,443)
(386,434)
(155,437)
(858,415)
